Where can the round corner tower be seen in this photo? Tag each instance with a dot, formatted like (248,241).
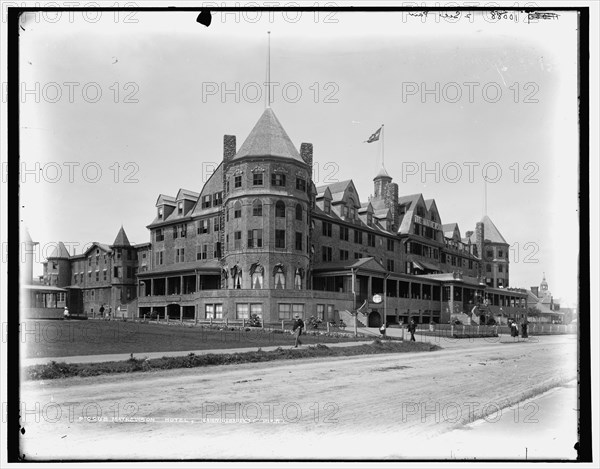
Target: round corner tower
(266,210)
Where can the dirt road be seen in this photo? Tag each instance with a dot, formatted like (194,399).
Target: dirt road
(383,406)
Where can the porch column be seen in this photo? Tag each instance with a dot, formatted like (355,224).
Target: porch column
(451,300)
(151,287)
(180,313)
(370,289)
(180,286)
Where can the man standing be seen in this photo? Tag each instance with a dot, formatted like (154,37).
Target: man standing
(298,326)
(66,314)
(412,327)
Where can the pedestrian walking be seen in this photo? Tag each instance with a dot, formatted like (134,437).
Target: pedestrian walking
(382,330)
(514,329)
(297,329)
(412,327)
(524,332)
(66,314)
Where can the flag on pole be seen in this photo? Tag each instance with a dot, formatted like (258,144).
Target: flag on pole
(374,137)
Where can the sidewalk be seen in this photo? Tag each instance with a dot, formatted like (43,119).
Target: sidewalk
(126,356)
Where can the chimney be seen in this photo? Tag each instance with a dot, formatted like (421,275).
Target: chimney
(535,291)
(479,237)
(391,201)
(306,152)
(229,148)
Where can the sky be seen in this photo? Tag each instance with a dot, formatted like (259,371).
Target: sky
(117,112)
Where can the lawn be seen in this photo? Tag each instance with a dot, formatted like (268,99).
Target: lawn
(46,338)
(57,370)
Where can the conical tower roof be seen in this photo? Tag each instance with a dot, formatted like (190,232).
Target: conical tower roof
(268,138)
(60,252)
(491,232)
(382,174)
(121,239)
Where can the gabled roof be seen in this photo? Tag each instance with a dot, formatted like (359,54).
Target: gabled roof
(94,245)
(60,252)
(121,239)
(366,208)
(364,263)
(336,189)
(165,200)
(187,194)
(491,233)
(323,192)
(410,200)
(448,229)
(268,138)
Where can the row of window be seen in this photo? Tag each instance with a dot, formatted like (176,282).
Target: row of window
(258,180)
(488,268)
(257,210)
(255,240)
(180,231)
(117,273)
(327,230)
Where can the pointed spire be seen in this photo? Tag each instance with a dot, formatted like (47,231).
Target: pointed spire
(60,252)
(382,173)
(268,138)
(121,239)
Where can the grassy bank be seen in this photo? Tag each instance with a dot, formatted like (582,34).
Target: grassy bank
(74,338)
(56,370)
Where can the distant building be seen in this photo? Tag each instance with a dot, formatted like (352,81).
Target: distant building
(261,238)
(541,299)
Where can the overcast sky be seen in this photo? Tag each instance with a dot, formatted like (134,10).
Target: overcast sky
(159,123)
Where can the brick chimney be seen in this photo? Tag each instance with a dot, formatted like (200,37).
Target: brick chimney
(391,201)
(306,152)
(229,148)
(479,237)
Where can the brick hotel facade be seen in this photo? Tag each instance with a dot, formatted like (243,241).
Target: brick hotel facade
(261,238)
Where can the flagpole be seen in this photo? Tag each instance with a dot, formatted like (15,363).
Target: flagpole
(382,148)
(269,70)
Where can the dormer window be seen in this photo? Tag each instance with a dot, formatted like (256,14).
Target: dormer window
(369,219)
(180,208)
(218,199)
(160,212)
(352,213)
(206,201)
(327,206)
(344,211)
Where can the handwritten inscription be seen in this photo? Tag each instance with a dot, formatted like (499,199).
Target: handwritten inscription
(491,16)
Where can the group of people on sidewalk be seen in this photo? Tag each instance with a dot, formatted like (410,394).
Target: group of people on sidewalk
(412,328)
(514,328)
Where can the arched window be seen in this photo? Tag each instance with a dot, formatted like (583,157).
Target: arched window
(237,210)
(257,273)
(279,277)
(280,209)
(257,208)
(298,212)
